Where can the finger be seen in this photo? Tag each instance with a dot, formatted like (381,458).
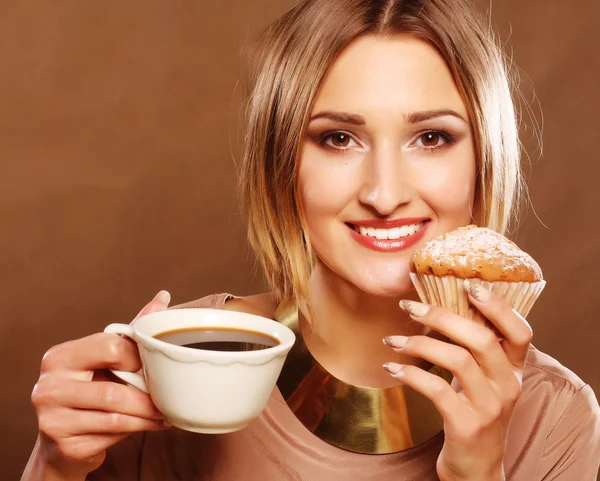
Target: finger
(105,396)
(66,422)
(97,351)
(479,340)
(159,303)
(433,387)
(516,330)
(456,359)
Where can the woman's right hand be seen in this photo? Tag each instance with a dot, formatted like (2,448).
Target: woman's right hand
(80,412)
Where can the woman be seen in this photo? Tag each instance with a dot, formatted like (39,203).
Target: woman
(391,119)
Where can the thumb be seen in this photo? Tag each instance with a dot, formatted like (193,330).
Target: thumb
(159,303)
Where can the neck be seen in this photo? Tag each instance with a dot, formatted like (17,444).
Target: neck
(347,328)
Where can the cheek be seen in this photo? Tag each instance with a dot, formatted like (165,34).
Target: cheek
(325,186)
(449,188)
(450,192)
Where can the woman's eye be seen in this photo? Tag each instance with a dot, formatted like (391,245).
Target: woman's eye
(433,140)
(338,140)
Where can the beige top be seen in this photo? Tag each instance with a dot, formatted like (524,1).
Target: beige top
(554,435)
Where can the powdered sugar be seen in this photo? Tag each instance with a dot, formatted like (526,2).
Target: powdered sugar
(473,251)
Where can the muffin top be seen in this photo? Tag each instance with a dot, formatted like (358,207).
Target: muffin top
(476,252)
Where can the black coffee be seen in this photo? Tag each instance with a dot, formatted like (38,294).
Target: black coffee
(218,339)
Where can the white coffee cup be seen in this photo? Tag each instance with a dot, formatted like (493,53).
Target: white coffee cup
(199,390)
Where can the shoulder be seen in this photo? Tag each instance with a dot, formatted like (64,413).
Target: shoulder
(541,365)
(547,381)
(263,304)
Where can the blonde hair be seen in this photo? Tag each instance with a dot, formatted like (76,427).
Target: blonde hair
(290,61)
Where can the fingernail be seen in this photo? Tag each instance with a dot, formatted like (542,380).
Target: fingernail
(393,368)
(164,297)
(415,309)
(477,291)
(395,342)
(167,424)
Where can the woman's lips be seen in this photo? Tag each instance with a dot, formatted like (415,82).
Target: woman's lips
(388,245)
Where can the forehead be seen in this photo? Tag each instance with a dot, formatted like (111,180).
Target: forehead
(395,74)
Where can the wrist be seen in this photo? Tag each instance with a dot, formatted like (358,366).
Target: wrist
(40,468)
(47,472)
(496,474)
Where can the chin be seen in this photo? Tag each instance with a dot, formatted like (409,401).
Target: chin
(386,287)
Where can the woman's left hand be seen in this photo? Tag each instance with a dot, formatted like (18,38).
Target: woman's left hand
(490,372)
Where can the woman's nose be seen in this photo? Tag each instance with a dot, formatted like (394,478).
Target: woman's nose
(384,184)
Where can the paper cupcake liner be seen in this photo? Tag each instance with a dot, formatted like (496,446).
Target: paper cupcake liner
(449,292)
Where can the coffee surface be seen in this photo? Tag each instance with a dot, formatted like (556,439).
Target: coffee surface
(218,339)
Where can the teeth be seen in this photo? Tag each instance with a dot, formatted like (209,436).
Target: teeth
(381,233)
(395,233)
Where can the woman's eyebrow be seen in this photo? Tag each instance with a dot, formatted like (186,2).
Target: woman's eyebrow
(340,117)
(416,117)
(412,118)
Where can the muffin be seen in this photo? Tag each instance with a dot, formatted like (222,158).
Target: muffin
(439,269)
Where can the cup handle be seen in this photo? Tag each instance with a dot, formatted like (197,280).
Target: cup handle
(133,378)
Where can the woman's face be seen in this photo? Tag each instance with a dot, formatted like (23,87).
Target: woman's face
(388,162)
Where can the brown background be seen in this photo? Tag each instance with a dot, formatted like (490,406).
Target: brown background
(118,121)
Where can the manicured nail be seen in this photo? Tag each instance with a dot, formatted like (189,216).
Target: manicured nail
(393,368)
(395,342)
(477,291)
(164,297)
(415,309)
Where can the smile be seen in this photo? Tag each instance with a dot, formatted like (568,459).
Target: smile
(388,235)
(394,233)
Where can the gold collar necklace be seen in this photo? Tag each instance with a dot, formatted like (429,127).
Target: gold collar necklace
(359,419)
